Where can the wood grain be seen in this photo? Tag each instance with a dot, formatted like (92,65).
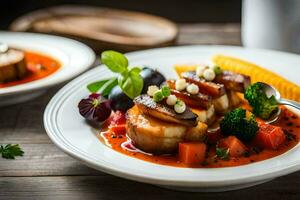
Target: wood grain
(110,188)
(45,172)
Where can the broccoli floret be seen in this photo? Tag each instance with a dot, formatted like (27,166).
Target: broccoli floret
(240,124)
(262,106)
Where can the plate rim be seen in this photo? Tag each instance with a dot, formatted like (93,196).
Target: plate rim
(36,85)
(186,183)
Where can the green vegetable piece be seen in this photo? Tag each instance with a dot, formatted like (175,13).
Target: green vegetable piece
(165,91)
(104,87)
(222,153)
(263,106)
(114,60)
(217,69)
(108,86)
(95,86)
(238,124)
(158,96)
(131,82)
(9,151)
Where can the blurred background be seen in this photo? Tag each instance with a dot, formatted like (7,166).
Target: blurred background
(270,24)
(183,11)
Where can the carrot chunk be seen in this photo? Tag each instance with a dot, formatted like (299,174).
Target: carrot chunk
(192,153)
(269,136)
(235,146)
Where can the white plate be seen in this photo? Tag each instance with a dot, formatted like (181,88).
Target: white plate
(68,130)
(74,56)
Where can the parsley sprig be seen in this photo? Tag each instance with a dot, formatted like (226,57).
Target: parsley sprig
(9,151)
(222,153)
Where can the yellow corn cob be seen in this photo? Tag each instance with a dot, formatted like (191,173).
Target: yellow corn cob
(286,88)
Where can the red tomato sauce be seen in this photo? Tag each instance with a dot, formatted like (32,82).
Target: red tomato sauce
(39,66)
(288,121)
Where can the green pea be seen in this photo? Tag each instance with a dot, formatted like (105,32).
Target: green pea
(217,70)
(158,96)
(165,91)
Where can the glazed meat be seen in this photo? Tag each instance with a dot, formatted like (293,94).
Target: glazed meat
(192,100)
(12,65)
(233,81)
(210,88)
(160,111)
(151,134)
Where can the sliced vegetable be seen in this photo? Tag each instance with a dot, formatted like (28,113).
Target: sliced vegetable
(235,147)
(269,136)
(192,153)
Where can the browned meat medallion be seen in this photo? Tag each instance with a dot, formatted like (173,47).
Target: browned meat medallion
(158,110)
(210,88)
(12,65)
(233,81)
(192,100)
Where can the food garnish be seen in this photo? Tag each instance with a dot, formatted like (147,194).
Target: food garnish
(239,123)
(95,108)
(10,151)
(222,153)
(263,106)
(103,87)
(198,120)
(218,70)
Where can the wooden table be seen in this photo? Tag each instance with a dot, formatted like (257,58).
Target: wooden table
(45,172)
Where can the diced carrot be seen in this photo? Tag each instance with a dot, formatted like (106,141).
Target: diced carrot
(269,136)
(192,153)
(235,146)
(118,129)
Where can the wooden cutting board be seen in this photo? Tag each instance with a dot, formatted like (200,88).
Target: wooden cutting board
(101,28)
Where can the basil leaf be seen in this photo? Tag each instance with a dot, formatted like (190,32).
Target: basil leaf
(94,87)
(131,83)
(108,86)
(136,70)
(115,61)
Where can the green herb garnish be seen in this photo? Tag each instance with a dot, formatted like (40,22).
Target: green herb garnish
(222,153)
(158,96)
(129,80)
(165,91)
(9,151)
(217,69)
(104,86)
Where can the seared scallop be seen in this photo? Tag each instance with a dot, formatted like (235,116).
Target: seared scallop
(151,134)
(12,65)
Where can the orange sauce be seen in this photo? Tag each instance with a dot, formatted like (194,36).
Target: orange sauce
(39,66)
(289,122)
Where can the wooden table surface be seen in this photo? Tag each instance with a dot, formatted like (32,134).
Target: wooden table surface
(45,172)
